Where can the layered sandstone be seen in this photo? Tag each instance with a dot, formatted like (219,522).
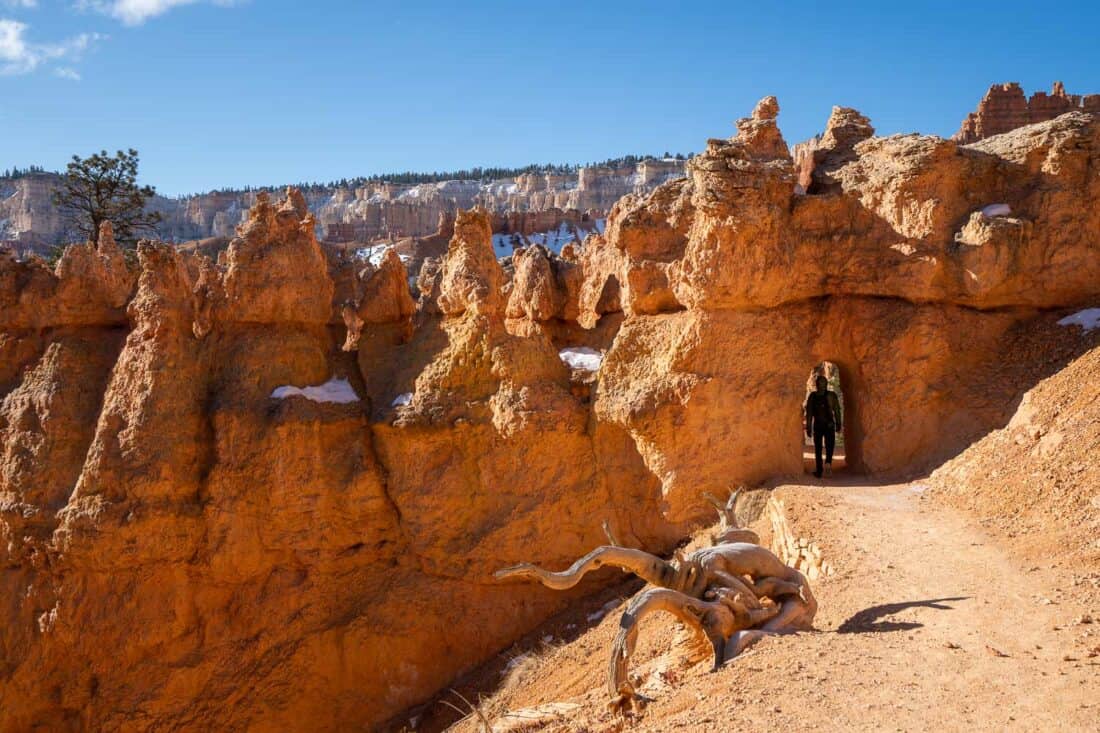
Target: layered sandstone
(1005,107)
(160,501)
(533,202)
(524,205)
(28,217)
(734,285)
(215,516)
(816,158)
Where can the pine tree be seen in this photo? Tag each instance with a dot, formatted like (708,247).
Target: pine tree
(102,188)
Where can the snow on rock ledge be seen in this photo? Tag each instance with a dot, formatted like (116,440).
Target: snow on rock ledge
(334,390)
(996,210)
(581,357)
(1087,319)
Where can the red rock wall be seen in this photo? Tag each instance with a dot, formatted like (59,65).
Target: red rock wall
(1005,108)
(183,550)
(892,271)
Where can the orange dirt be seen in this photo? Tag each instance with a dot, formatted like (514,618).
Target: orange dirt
(1036,482)
(927,624)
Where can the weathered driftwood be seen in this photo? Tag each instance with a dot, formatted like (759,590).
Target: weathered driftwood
(728,529)
(718,620)
(733,593)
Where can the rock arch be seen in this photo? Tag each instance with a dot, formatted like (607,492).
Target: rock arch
(829,369)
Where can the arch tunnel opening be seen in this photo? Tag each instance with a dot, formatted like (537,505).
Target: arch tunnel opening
(841,452)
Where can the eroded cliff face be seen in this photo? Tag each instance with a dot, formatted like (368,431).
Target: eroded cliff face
(184,548)
(27,213)
(373,212)
(1005,107)
(269,492)
(905,270)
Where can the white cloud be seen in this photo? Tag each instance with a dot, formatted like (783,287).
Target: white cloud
(20,56)
(67,72)
(136,12)
(28,4)
(13,49)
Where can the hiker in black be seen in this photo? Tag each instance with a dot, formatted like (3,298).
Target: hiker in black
(822,422)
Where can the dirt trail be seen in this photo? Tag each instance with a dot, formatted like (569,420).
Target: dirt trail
(926,624)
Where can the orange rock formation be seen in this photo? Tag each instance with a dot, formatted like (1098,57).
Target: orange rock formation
(187,546)
(1005,107)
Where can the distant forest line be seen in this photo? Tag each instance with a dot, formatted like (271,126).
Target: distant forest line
(483,175)
(16,173)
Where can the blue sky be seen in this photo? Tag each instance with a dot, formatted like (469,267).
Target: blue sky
(268,91)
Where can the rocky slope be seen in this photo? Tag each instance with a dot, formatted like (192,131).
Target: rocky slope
(215,516)
(1037,480)
(524,205)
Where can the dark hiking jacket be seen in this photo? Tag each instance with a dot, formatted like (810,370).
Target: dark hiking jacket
(823,411)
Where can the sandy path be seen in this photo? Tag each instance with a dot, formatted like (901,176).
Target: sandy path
(915,621)
(926,624)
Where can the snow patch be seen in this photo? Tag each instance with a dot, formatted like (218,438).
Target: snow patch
(607,608)
(996,210)
(581,357)
(503,244)
(499,188)
(514,662)
(374,254)
(334,390)
(554,240)
(402,399)
(1087,319)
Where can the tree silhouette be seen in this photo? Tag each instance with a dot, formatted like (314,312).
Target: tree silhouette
(102,188)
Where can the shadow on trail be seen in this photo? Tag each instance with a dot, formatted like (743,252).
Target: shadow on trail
(867,620)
